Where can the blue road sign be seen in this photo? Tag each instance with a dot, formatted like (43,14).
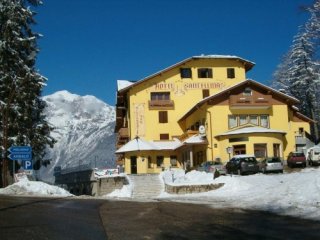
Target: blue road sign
(20,156)
(20,149)
(27,165)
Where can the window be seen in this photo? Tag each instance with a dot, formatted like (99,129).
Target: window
(163,116)
(204,73)
(232,121)
(260,150)
(160,96)
(159,161)
(239,149)
(247,91)
(240,120)
(173,161)
(230,73)
(264,121)
(164,136)
(205,93)
(185,73)
(243,119)
(253,119)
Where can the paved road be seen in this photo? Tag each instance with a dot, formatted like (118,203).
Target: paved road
(49,218)
(36,218)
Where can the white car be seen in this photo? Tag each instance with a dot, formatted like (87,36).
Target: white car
(271,164)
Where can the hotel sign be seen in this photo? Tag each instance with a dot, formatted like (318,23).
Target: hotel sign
(180,88)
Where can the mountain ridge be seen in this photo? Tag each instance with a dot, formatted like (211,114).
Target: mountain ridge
(84,130)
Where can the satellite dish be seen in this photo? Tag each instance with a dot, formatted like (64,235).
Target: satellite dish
(202,130)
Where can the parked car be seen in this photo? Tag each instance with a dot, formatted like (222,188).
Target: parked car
(242,164)
(271,164)
(296,159)
(313,156)
(211,166)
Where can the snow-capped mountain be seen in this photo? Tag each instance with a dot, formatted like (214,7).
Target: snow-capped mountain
(84,130)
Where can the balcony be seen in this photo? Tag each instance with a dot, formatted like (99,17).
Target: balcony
(123,137)
(257,102)
(301,140)
(161,104)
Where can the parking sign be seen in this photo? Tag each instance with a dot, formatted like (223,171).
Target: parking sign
(27,165)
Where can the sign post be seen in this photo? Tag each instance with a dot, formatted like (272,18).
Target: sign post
(23,153)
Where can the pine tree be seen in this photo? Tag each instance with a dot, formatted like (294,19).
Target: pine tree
(22,120)
(298,73)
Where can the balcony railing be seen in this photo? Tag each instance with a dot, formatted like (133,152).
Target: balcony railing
(161,104)
(263,101)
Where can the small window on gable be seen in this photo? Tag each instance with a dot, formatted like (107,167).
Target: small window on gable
(247,91)
(185,73)
(204,73)
(230,73)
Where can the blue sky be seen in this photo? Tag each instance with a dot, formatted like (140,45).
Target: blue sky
(88,45)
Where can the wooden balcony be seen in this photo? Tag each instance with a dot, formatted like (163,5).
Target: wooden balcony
(123,137)
(161,104)
(258,101)
(123,133)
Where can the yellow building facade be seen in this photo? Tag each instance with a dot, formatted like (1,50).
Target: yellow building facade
(202,109)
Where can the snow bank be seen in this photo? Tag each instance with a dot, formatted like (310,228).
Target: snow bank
(33,188)
(295,194)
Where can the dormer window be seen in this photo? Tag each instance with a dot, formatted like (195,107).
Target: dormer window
(185,73)
(204,73)
(247,91)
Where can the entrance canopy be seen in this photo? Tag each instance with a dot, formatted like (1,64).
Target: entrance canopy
(247,130)
(139,144)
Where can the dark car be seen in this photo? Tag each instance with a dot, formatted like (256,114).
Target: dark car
(242,164)
(296,159)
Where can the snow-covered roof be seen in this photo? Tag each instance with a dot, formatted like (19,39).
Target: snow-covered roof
(251,130)
(195,139)
(217,56)
(137,144)
(123,84)
(167,145)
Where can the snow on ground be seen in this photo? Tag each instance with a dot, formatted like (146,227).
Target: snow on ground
(295,193)
(34,188)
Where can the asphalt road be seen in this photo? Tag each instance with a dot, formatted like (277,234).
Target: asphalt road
(72,218)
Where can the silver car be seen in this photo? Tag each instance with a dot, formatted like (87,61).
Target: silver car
(271,164)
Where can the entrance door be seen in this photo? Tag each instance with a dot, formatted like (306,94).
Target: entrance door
(133,164)
(276,150)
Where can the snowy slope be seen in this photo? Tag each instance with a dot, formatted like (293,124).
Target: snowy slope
(84,129)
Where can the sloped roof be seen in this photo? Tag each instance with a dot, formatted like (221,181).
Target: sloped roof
(248,65)
(234,87)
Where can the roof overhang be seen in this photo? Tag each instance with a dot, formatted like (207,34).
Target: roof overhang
(250,130)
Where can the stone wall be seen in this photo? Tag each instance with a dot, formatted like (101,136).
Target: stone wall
(107,185)
(184,189)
